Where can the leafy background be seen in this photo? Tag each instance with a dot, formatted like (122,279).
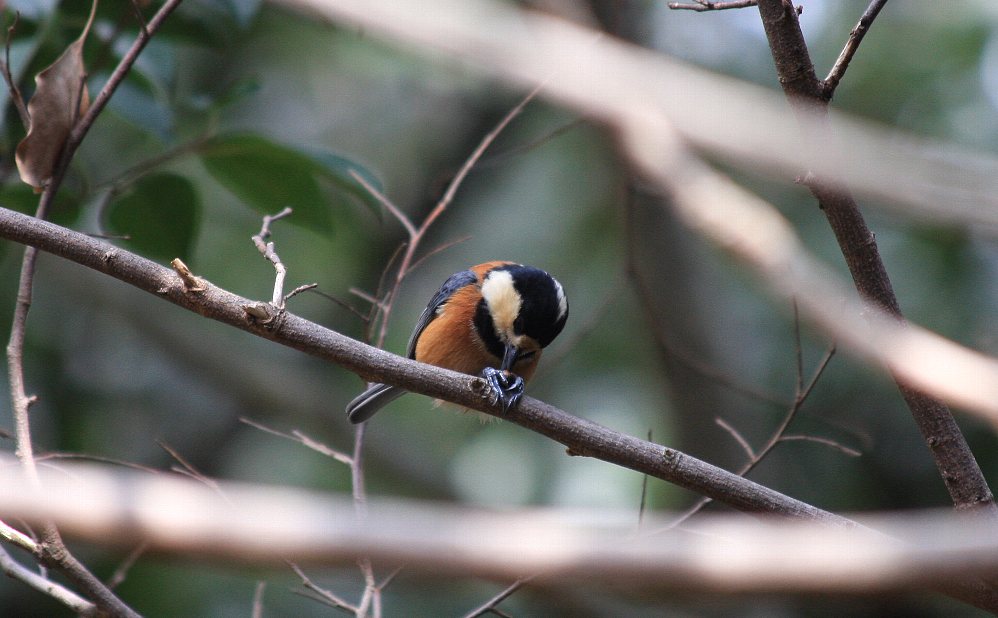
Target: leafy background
(238,109)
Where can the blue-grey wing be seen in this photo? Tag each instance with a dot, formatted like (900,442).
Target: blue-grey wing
(454,283)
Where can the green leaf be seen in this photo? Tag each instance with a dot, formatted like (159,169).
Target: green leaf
(337,169)
(22,198)
(159,215)
(269,176)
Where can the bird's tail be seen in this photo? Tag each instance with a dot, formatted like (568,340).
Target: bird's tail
(366,404)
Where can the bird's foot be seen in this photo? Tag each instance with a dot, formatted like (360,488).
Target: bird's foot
(507,388)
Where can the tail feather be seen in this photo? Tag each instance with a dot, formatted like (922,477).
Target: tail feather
(366,404)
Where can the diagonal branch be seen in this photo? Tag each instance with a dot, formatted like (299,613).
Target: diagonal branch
(831,82)
(582,437)
(960,472)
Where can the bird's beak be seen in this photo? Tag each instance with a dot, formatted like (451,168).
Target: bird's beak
(509,357)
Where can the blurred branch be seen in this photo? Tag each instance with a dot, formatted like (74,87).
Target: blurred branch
(912,177)
(267,524)
(955,461)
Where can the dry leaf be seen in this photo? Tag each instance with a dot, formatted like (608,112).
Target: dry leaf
(60,99)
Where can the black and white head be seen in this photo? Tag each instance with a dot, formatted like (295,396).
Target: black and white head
(522,310)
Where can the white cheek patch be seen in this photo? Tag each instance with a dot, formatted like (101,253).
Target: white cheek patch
(503,300)
(562,301)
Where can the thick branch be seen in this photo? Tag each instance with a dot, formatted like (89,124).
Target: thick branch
(962,476)
(582,437)
(255,524)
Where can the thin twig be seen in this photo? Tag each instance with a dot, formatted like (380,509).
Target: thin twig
(492,604)
(13,535)
(258,599)
(703,5)
(267,250)
(826,441)
(301,438)
(519,149)
(387,203)
(326,596)
(187,469)
(416,235)
(852,44)
(15,93)
(383,310)
(802,392)
(734,433)
(14,569)
(126,565)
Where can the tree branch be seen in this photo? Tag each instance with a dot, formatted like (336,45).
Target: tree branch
(831,82)
(581,436)
(959,470)
(256,524)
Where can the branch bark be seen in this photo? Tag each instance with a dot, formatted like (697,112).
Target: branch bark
(582,437)
(956,463)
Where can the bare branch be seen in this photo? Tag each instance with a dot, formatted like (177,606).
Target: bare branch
(12,568)
(301,438)
(704,5)
(15,93)
(831,82)
(742,442)
(121,573)
(493,603)
(387,203)
(580,435)
(259,524)
(266,249)
(826,441)
(323,595)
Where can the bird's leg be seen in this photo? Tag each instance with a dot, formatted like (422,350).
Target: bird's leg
(507,387)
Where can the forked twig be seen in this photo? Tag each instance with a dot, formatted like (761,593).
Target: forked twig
(830,82)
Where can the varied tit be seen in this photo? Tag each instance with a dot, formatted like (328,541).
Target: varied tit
(491,320)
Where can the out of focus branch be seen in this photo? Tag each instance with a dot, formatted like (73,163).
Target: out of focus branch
(267,524)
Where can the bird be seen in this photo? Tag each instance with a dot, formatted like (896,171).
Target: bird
(493,320)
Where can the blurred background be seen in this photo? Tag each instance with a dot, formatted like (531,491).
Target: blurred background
(239,108)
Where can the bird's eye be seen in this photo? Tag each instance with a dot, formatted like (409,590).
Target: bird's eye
(518,325)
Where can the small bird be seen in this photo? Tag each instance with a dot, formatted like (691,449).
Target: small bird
(491,320)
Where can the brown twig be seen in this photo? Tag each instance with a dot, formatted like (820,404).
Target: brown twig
(126,565)
(416,234)
(801,393)
(15,93)
(704,5)
(301,438)
(492,604)
(267,250)
(15,570)
(961,474)
(830,82)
